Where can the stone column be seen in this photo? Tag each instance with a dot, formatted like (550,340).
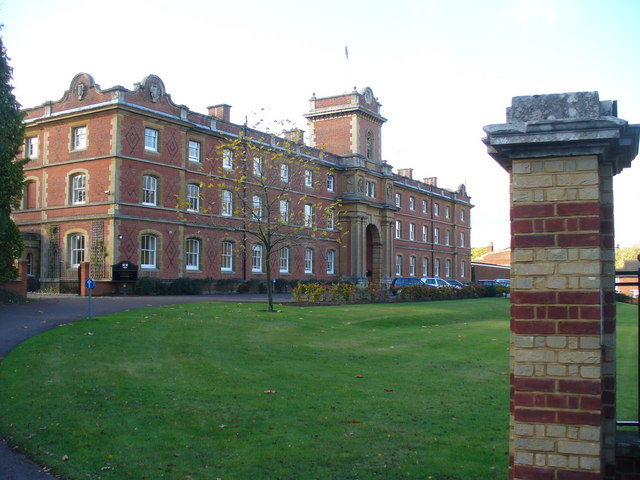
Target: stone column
(561,152)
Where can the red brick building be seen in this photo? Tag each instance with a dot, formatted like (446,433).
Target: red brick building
(120,174)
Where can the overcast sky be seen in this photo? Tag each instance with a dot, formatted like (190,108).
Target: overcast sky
(441,69)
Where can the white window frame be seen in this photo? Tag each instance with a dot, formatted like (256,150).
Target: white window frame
(370,189)
(412,266)
(149,190)
(398,265)
(308,178)
(193,197)
(256,259)
(331,262)
(425,233)
(80,138)
(79,189)
(151,139)
(331,183)
(308,260)
(463,215)
(398,229)
(226,207)
(447,237)
(284,173)
(447,268)
(425,267)
(425,207)
(227,159)
(436,235)
(331,223)
(436,209)
(463,238)
(148,251)
(226,256)
(192,250)
(194,151)
(309,215)
(398,200)
(285,208)
(412,203)
(257,212)
(76,249)
(32,147)
(463,269)
(412,231)
(258,167)
(284,259)
(447,211)
(436,267)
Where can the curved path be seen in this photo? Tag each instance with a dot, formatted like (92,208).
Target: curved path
(44,312)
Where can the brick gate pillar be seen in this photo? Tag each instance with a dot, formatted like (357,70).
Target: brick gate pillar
(561,152)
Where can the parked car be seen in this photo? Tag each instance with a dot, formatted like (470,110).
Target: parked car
(487,283)
(455,283)
(434,282)
(401,282)
(505,282)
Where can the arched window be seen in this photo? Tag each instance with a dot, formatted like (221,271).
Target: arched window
(226,258)
(256,259)
(76,249)
(78,189)
(447,268)
(331,262)
(370,152)
(284,259)
(227,203)
(308,260)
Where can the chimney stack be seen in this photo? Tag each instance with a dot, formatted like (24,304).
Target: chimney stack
(406,172)
(222,112)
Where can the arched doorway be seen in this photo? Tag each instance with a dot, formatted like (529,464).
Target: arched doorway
(373,252)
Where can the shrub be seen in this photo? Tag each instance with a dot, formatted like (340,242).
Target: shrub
(227,284)
(280,285)
(150,286)
(243,287)
(10,296)
(185,286)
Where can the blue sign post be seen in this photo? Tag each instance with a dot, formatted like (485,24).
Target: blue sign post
(90,283)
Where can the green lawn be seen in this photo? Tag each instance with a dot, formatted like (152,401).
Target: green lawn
(228,391)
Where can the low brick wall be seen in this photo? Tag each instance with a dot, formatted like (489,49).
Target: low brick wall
(20,284)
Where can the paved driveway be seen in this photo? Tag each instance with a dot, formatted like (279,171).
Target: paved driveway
(43,312)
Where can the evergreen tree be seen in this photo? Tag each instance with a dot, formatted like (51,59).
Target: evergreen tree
(11,174)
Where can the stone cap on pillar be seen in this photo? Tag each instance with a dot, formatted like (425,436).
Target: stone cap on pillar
(563,125)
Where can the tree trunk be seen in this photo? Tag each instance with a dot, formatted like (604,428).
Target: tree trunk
(269,283)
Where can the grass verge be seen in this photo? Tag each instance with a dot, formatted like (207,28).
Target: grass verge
(228,391)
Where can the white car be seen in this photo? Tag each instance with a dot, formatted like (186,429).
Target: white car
(434,282)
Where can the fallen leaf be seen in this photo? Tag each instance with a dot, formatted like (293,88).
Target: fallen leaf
(270,391)
(359,376)
(65,458)
(388,389)
(222,425)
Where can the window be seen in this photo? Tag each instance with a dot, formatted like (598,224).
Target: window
(227,203)
(412,266)
(463,239)
(331,183)
(76,249)
(193,197)
(284,211)
(151,139)
(398,200)
(398,229)
(412,203)
(330,220)
(32,147)
(193,254)
(256,259)
(447,211)
(308,178)
(436,267)
(309,215)
(331,262)
(194,151)
(308,260)
(371,189)
(29,195)
(447,237)
(436,209)
(284,259)
(258,210)
(148,249)
(399,265)
(79,138)
(425,207)
(412,231)
(227,159)
(370,145)
(463,268)
(30,264)
(149,190)
(447,268)
(226,259)
(425,234)
(436,235)
(78,189)
(284,173)
(258,167)
(463,215)
(425,267)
